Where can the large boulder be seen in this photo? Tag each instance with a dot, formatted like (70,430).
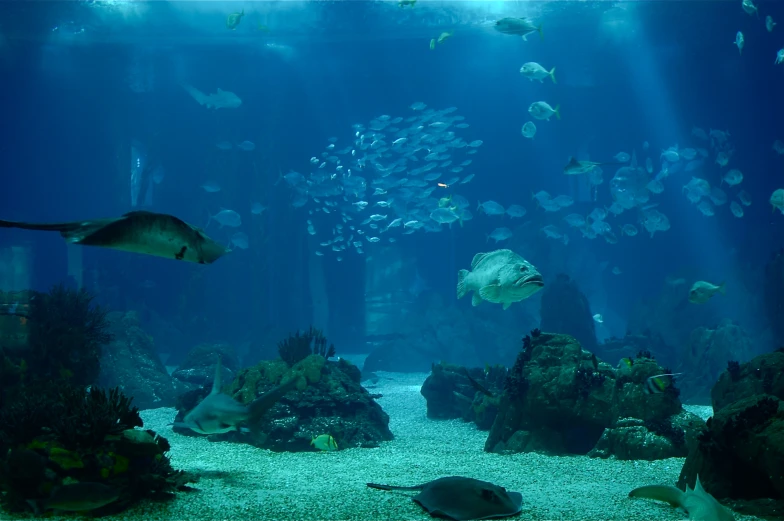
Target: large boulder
(559,398)
(131,363)
(741,455)
(328,400)
(761,375)
(470,394)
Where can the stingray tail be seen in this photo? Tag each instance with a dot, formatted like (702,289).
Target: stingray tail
(668,494)
(47,227)
(392,487)
(263,403)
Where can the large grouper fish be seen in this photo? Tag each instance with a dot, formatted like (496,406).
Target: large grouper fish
(501,277)
(148,233)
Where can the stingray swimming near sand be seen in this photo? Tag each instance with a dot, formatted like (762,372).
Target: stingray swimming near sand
(148,233)
(460,498)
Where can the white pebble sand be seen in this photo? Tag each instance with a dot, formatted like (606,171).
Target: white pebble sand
(240,482)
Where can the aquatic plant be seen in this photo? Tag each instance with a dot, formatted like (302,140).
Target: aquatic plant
(587,380)
(67,332)
(301,345)
(89,416)
(69,415)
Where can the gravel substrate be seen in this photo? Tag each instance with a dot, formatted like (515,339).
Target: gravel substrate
(240,482)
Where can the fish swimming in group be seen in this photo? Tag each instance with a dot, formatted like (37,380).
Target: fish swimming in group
(148,233)
(701,291)
(575,167)
(219,413)
(700,505)
(460,498)
(77,497)
(222,99)
(501,277)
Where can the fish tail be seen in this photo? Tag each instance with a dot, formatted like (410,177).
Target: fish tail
(557,111)
(541,32)
(461,287)
(265,402)
(722,288)
(54,227)
(668,494)
(391,487)
(552,75)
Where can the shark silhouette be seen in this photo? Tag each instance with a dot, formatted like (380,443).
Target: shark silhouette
(219,413)
(148,233)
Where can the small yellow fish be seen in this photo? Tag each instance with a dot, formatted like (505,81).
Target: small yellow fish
(324,442)
(443,185)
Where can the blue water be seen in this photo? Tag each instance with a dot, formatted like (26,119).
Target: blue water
(627,73)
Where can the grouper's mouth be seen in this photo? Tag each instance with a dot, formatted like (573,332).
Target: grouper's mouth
(534,280)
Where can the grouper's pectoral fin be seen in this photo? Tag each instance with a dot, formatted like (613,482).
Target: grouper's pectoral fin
(476,299)
(506,305)
(491,293)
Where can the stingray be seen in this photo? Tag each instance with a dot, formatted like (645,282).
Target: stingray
(459,498)
(148,233)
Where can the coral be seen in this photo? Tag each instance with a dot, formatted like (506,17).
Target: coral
(644,353)
(66,335)
(74,417)
(299,346)
(93,415)
(587,381)
(58,434)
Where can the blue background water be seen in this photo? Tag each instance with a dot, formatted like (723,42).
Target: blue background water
(649,71)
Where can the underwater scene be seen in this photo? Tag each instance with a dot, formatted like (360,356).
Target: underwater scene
(392,260)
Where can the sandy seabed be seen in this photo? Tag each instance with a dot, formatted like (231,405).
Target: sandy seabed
(241,482)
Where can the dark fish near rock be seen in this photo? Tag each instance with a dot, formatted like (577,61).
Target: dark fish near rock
(142,232)
(459,498)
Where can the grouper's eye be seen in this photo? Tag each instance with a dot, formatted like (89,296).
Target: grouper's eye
(523,269)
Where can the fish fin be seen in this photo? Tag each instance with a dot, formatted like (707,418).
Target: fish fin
(461,288)
(265,402)
(491,293)
(392,487)
(506,305)
(540,31)
(477,259)
(665,493)
(476,299)
(216,382)
(552,75)
(558,111)
(722,288)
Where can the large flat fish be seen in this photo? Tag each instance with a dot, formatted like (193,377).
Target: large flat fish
(148,233)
